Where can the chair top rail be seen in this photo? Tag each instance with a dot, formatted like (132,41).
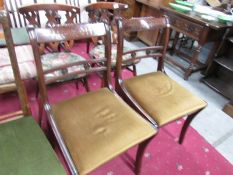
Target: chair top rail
(46,6)
(66,32)
(145,23)
(106,5)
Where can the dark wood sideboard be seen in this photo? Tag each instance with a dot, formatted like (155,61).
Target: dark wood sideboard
(219,74)
(194,27)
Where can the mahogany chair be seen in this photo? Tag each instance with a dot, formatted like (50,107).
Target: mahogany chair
(108,12)
(95,127)
(24,148)
(60,54)
(154,95)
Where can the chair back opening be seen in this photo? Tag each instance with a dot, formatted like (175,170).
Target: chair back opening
(61,34)
(143,24)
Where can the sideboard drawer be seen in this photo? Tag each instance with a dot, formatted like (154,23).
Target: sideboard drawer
(189,28)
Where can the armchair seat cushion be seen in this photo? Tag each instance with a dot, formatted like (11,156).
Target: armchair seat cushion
(161,97)
(25,150)
(25,60)
(53,60)
(98,126)
(98,53)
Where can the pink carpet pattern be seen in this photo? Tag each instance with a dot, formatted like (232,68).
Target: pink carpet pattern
(163,156)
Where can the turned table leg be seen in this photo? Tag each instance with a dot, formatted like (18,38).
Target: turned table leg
(194,60)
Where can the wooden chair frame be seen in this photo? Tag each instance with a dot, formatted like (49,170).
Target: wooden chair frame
(75,32)
(72,15)
(64,33)
(31,13)
(158,52)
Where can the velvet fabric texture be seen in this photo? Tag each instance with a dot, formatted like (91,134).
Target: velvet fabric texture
(162,98)
(24,150)
(98,126)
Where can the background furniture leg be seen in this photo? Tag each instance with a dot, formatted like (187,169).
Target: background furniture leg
(194,60)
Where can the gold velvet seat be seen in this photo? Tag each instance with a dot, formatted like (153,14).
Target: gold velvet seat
(95,127)
(163,98)
(154,95)
(94,133)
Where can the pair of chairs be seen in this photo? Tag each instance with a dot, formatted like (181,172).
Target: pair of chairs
(60,56)
(24,148)
(97,126)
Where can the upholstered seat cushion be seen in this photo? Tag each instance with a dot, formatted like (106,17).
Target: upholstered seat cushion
(98,52)
(52,60)
(161,97)
(25,150)
(25,60)
(98,126)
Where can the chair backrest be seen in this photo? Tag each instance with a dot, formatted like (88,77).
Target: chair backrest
(4,20)
(107,12)
(52,13)
(62,33)
(143,24)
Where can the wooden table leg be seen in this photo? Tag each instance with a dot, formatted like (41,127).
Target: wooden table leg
(174,42)
(194,60)
(211,57)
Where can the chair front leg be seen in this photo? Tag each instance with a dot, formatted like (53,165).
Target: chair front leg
(134,70)
(40,111)
(140,152)
(85,82)
(88,46)
(186,125)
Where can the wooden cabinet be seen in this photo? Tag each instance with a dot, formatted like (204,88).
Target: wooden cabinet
(134,8)
(133,11)
(150,8)
(219,74)
(149,37)
(144,8)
